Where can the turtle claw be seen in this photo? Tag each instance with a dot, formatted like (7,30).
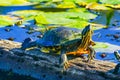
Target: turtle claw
(64,64)
(91,56)
(64,67)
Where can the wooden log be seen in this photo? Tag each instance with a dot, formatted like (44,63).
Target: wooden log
(43,66)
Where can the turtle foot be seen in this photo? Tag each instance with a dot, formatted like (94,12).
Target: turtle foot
(64,64)
(91,55)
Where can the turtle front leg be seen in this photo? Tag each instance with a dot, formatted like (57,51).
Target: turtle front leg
(91,54)
(63,61)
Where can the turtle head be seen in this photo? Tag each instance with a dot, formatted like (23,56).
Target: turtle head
(87,31)
(86,37)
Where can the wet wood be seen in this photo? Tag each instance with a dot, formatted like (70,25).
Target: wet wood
(45,66)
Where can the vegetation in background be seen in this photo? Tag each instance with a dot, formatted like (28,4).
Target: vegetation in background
(113,2)
(71,13)
(13,2)
(7,20)
(101,45)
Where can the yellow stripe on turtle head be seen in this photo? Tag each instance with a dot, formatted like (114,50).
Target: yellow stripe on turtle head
(86,37)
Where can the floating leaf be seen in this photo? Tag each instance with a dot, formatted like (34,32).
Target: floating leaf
(7,20)
(97,7)
(84,2)
(70,19)
(57,0)
(77,10)
(58,18)
(39,0)
(26,14)
(41,19)
(113,6)
(13,2)
(100,45)
(82,15)
(110,1)
(66,5)
(78,24)
(87,1)
(47,5)
(68,0)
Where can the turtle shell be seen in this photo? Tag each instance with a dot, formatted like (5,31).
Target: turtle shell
(59,35)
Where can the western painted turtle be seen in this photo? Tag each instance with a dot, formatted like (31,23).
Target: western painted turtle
(67,41)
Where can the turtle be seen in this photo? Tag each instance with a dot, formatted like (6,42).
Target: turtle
(66,40)
(117,56)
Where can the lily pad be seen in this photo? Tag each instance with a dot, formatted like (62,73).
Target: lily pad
(77,10)
(26,14)
(84,2)
(97,7)
(100,45)
(78,24)
(41,19)
(66,5)
(110,1)
(71,19)
(13,2)
(38,0)
(7,20)
(46,5)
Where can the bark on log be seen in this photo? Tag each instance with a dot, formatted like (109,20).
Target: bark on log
(45,66)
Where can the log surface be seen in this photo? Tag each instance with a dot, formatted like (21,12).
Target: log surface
(44,66)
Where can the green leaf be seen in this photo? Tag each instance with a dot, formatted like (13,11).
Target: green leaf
(66,5)
(41,19)
(26,14)
(68,0)
(12,2)
(87,1)
(38,0)
(70,19)
(100,45)
(84,2)
(110,1)
(6,20)
(97,7)
(77,10)
(78,24)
